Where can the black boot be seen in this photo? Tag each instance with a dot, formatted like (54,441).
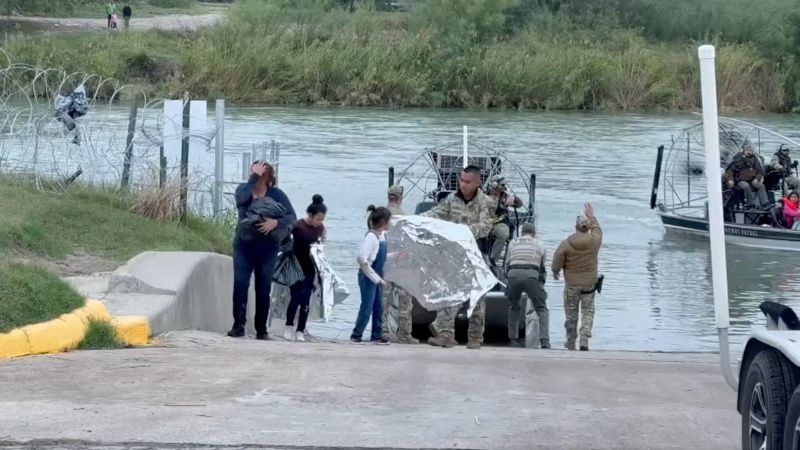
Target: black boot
(236,332)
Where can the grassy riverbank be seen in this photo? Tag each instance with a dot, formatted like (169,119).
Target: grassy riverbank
(526,54)
(44,235)
(82,8)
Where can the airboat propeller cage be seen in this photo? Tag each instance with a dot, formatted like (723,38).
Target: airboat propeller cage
(716,228)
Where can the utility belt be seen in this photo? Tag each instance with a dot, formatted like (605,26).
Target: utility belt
(524,267)
(542,274)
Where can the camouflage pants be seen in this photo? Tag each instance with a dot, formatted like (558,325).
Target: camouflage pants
(445,323)
(575,302)
(500,233)
(402,301)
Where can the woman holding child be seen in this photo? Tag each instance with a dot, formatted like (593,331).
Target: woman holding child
(265,218)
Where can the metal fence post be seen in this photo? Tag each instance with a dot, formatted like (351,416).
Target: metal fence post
(126,167)
(219,166)
(184,197)
(247,160)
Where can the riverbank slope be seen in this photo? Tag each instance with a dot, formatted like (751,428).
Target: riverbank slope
(484,53)
(50,233)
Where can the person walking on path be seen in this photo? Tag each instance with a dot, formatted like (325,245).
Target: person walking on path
(371,259)
(260,255)
(305,233)
(577,256)
(111,9)
(471,207)
(127,12)
(527,272)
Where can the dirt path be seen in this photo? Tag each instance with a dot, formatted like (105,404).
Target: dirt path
(170,22)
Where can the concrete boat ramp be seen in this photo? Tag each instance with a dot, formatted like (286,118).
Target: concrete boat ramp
(203,390)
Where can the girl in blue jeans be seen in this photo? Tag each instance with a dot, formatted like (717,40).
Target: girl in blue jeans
(371,259)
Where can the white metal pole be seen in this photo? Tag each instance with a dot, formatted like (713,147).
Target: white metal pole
(716,227)
(219,166)
(465,158)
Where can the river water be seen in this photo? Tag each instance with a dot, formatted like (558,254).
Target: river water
(657,294)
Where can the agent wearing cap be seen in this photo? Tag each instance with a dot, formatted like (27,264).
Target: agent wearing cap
(397,297)
(527,271)
(782,164)
(746,172)
(501,231)
(577,255)
(396,200)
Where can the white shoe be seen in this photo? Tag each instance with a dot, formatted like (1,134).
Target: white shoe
(288,334)
(300,336)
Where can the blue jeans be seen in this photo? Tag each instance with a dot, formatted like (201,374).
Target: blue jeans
(301,296)
(247,259)
(371,304)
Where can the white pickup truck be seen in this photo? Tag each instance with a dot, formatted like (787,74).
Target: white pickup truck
(769,382)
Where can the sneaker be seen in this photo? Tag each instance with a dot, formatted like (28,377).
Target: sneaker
(380,341)
(236,332)
(585,348)
(263,337)
(545,344)
(288,334)
(473,345)
(439,341)
(300,336)
(569,345)
(356,340)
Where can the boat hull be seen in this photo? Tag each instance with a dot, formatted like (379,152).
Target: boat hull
(741,235)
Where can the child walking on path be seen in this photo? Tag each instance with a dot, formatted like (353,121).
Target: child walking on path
(306,232)
(371,259)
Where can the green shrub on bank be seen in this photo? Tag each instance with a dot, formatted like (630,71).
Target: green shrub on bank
(473,53)
(100,335)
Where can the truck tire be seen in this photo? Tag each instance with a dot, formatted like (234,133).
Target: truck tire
(764,402)
(791,434)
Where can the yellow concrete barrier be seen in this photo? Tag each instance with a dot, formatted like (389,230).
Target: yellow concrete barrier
(66,332)
(132,330)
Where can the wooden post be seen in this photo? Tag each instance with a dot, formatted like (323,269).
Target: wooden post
(126,168)
(185,159)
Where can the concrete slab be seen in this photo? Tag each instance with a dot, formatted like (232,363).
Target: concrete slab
(208,390)
(174,290)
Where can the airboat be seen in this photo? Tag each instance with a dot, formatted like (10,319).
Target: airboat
(432,175)
(683,207)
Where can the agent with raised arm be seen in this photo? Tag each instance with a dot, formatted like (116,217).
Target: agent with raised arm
(577,256)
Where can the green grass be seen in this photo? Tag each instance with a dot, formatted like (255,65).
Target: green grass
(100,335)
(31,294)
(92,221)
(96,8)
(581,54)
(49,226)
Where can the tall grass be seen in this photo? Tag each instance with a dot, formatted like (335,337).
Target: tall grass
(471,53)
(81,7)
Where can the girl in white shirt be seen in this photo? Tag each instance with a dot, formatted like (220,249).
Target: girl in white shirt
(371,259)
